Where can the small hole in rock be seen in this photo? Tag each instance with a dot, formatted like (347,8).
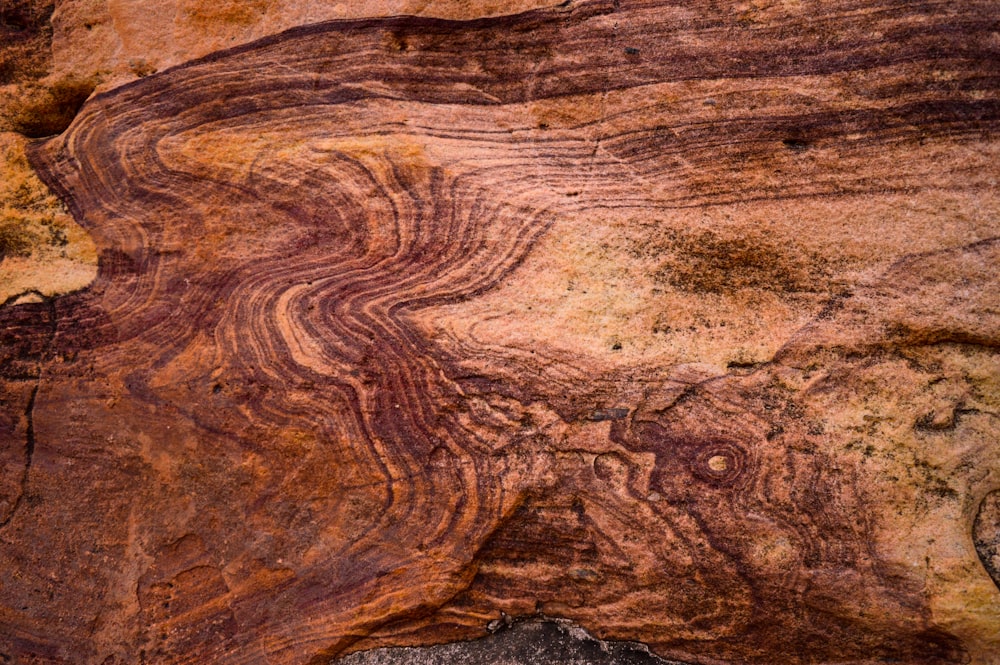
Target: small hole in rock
(796,145)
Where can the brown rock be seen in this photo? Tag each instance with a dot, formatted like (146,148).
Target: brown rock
(46,77)
(677,322)
(125,39)
(25,34)
(42,251)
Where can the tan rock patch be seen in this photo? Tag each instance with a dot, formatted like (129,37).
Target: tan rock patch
(42,250)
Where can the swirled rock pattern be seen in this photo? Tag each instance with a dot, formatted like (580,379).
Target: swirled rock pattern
(400,324)
(120,40)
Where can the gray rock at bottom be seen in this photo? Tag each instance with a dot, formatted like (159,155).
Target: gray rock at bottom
(535,642)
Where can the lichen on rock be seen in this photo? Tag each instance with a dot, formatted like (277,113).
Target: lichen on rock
(43,251)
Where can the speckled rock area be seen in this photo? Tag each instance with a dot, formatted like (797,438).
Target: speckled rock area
(590,332)
(536,642)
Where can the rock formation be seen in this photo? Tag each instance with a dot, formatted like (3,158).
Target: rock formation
(676,321)
(527,642)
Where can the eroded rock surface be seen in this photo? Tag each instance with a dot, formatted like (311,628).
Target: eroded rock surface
(522,643)
(43,252)
(679,322)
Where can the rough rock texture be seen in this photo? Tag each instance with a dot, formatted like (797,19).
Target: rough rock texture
(522,643)
(33,102)
(43,252)
(677,321)
(25,34)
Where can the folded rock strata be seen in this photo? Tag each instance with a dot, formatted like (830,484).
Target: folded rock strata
(677,325)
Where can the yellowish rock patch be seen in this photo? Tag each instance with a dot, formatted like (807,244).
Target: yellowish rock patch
(44,252)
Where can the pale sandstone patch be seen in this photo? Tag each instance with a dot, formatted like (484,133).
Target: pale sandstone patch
(42,250)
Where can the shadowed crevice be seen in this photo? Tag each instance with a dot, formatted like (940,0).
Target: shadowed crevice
(986,534)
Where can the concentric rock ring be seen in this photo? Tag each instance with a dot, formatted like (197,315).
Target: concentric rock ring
(719,463)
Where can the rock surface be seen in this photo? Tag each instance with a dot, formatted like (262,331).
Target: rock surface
(522,643)
(43,252)
(676,321)
(120,40)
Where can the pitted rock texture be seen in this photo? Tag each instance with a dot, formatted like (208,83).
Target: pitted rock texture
(25,35)
(522,643)
(671,321)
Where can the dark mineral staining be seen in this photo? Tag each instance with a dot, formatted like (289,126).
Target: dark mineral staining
(708,262)
(25,36)
(49,111)
(608,414)
(15,240)
(986,534)
(796,144)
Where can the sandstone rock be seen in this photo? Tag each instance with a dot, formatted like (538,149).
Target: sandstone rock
(124,39)
(43,252)
(678,322)
(46,74)
(25,34)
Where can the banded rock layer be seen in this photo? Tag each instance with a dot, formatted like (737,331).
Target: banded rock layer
(681,327)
